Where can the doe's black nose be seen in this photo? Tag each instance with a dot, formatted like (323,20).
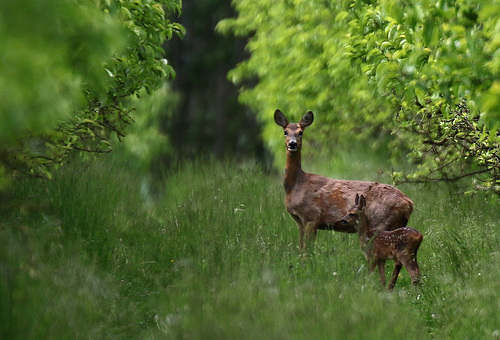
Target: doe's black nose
(292,145)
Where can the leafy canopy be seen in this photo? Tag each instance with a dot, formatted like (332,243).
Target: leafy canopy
(68,70)
(424,71)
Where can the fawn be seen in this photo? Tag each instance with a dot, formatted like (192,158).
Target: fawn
(317,202)
(400,245)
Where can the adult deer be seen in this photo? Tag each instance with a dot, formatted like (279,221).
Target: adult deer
(400,245)
(316,202)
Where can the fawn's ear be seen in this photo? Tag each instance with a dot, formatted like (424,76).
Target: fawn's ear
(306,120)
(356,200)
(362,202)
(280,119)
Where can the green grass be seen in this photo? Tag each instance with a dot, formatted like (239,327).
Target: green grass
(216,257)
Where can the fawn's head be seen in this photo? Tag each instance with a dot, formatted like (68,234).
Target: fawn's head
(356,215)
(293,131)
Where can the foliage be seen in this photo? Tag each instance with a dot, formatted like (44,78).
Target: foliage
(145,143)
(208,102)
(425,71)
(297,64)
(436,64)
(84,257)
(69,70)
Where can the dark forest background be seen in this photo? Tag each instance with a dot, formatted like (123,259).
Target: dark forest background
(208,120)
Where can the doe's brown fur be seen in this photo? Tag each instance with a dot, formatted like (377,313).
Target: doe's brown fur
(317,202)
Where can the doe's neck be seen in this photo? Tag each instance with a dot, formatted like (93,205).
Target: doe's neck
(293,169)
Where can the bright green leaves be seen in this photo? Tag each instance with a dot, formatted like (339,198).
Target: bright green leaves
(489,15)
(434,63)
(491,105)
(68,71)
(425,71)
(46,64)
(300,57)
(387,76)
(143,65)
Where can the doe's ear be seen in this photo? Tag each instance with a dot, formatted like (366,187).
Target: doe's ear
(356,200)
(307,119)
(280,119)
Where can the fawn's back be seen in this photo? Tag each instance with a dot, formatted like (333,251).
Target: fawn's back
(389,245)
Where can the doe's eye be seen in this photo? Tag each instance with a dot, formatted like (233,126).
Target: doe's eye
(300,133)
(286,133)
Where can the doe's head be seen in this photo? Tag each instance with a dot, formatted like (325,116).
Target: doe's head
(293,131)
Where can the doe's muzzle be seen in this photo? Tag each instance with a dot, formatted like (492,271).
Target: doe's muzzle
(292,145)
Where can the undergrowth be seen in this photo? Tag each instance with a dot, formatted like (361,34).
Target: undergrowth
(88,255)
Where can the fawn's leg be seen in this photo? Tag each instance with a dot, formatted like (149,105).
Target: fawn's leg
(381,270)
(371,263)
(397,268)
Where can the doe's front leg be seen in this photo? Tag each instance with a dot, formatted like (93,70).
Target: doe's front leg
(310,230)
(302,245)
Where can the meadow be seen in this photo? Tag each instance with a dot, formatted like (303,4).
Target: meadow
(92,254)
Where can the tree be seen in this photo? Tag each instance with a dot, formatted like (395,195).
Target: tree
(68,72)
(423,71)
(296,63)
(435,64)
(209,121)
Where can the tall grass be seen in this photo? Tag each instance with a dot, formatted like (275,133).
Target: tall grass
(88,256)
